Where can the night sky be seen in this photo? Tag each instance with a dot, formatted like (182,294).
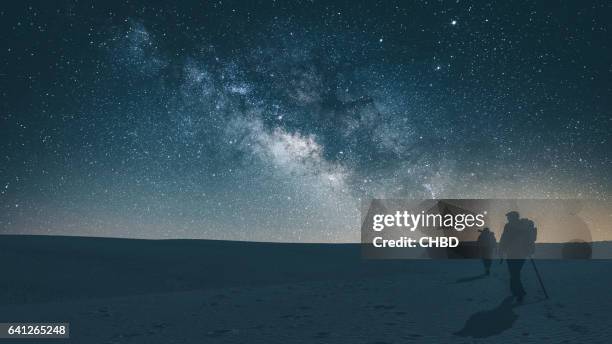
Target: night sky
(270,121)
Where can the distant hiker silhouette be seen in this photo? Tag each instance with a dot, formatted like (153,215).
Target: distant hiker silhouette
(486,247)
(516,244)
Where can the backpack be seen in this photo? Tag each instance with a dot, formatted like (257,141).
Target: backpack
(529,234)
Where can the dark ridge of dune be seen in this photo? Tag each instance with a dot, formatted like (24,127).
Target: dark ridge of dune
(47,268)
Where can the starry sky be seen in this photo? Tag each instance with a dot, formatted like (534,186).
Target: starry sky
(271,121)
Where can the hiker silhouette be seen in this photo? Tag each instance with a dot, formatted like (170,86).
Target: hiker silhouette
(516,244)
(486,247)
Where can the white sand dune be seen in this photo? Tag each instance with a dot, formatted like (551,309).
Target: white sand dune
(135,291)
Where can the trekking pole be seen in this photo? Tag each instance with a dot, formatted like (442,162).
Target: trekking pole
(539,278)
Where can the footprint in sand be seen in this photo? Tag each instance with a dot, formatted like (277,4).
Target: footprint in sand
(579,328)
(104,312)
(160,326)
(125,336)
(296,316)
(322,334)
(219,333)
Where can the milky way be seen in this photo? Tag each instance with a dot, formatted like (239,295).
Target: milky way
(271,122)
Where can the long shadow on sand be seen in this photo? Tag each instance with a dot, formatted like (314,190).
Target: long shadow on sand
(490,322)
